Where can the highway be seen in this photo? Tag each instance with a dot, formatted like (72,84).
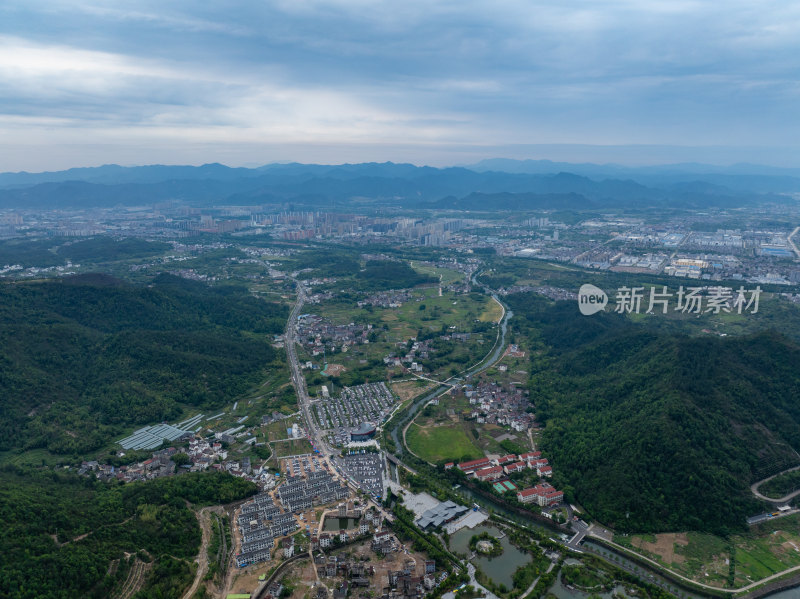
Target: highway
(315,435)
(298,380)
(326,453)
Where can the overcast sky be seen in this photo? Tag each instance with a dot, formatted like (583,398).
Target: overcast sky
(250,82)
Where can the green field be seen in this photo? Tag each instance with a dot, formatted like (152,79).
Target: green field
(492,313)
(440,443)
(448,275)
(766,550)
(289,448)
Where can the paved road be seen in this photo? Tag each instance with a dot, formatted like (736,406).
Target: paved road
(529,590)
(316,435)
(581,530)
(472,580)
(791,243)
(754,488)
(660,567)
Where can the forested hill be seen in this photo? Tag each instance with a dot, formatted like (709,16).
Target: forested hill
(65,536)
(657,431)
(83,358)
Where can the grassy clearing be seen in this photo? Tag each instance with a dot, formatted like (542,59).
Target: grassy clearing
(448,275)
(32,457)
(409,389)
(293,447)
(492,313)
(440,443)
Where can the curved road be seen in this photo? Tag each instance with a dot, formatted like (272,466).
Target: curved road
(488,361)
(754,488)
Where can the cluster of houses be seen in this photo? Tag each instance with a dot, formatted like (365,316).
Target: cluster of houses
(403,583)
(370,521)
(357,573)
(201,455)
(317,488)
(490,470)
(386,299)
(260,522)
(205,455)
(408,584)
(420,350)
(318,335)
(159,464)
(555,293)
(499,404)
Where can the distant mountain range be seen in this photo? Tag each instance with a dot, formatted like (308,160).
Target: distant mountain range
(497,184)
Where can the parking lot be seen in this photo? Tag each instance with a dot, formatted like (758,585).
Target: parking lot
(371,402)
(366,470)
(301,466)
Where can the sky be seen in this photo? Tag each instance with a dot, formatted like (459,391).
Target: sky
(248,82)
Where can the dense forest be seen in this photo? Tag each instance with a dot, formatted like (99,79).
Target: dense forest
(48,252)
(83,358)
(65,536)
(379,275)
(656,431)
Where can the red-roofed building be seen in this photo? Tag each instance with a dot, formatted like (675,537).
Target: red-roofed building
(530,456)
(492,473)
(516,467)
(543,494)
(448,465)
(528,496)
(507,459)
(544,471)
(552,497)
(473,465)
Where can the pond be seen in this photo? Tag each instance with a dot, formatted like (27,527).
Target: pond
(501,568)
(336,524)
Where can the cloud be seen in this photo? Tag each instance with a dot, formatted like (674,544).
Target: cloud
(375,72)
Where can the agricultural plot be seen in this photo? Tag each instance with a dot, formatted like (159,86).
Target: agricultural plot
(766,550)
(349,345)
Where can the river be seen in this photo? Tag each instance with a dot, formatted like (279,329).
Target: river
(411,412)
(469,497)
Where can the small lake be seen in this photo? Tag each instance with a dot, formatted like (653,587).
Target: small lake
(336,524)
(500,568)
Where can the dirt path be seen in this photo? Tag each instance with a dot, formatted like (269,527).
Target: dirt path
(229,567)
(135,579)
(204,518)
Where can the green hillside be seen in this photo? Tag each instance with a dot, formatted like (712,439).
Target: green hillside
(657,431)
(65,536)
(83,359)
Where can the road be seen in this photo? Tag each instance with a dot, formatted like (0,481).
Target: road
(791,243)
(315,435)
(298,380)
(660,567)
(581,530)
(754,488)
(529,590)
(202,556)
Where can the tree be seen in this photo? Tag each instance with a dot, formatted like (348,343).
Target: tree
(181,459)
